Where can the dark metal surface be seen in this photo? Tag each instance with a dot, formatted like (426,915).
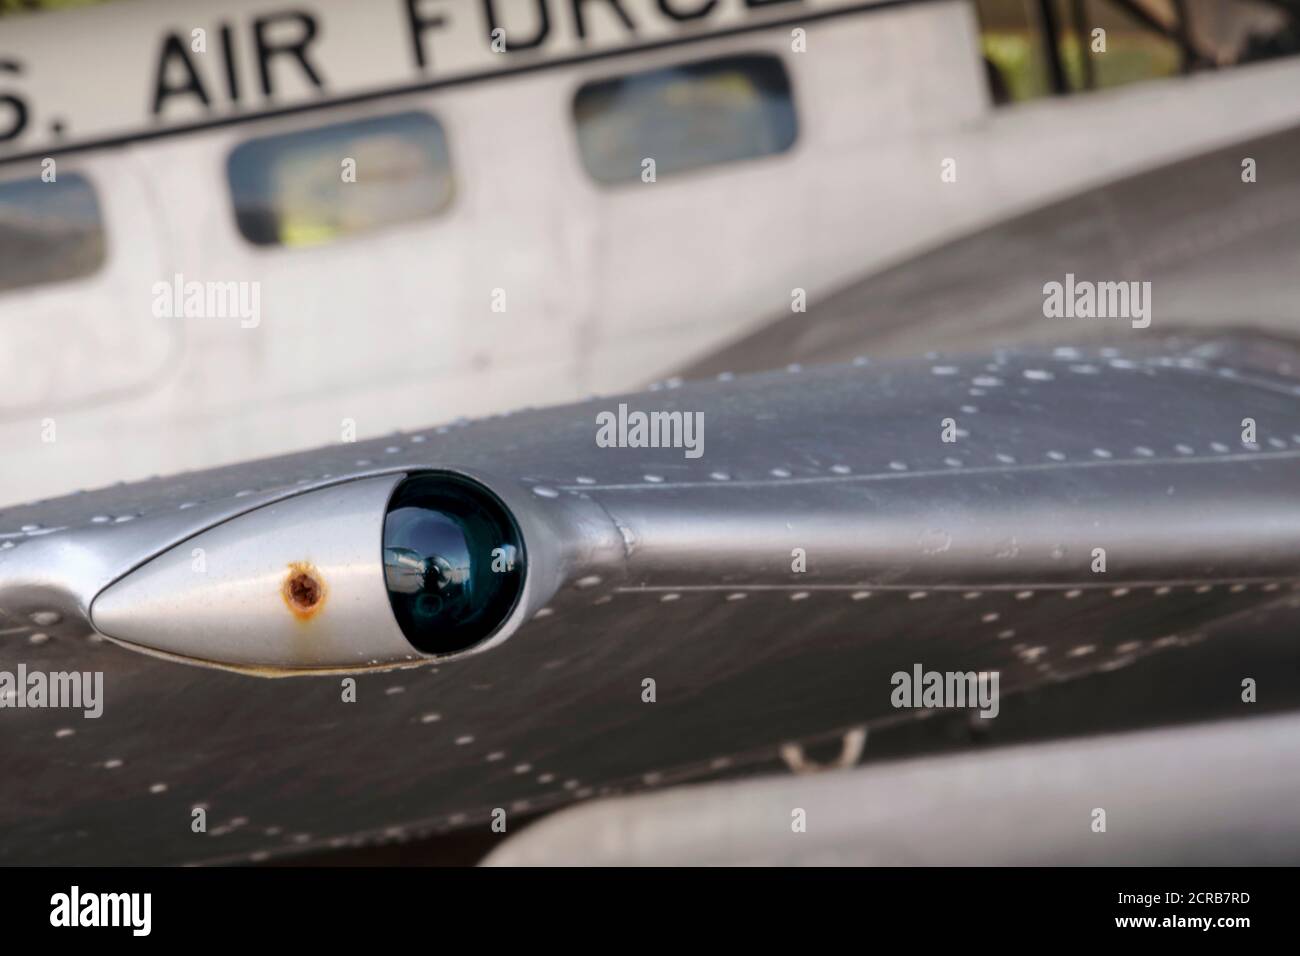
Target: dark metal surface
(971,555)
(1219,253)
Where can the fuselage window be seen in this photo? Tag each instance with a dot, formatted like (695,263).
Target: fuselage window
(684,117)
(318,185)
(49,231)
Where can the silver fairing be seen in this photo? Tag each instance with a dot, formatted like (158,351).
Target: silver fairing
(645,564)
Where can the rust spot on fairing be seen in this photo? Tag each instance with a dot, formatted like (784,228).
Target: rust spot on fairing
(303,590)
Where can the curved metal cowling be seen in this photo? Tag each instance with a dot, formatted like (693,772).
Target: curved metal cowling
(826,538)
(1015,806)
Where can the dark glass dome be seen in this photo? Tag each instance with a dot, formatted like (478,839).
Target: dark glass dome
(453,562)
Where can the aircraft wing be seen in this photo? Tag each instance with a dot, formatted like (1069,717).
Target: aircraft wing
(679,618)
(1215,251)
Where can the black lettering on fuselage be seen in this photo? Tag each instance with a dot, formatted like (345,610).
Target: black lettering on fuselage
(174,52)
(17,105)
(267,50)
(232,72)
(512,39)
(419,22)
(672,10)
(178,73)
(613,5)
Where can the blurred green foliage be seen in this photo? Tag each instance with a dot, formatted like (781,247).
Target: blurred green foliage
(21,6)
(1129,57)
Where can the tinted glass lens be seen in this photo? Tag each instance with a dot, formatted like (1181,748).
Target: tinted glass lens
(453,563)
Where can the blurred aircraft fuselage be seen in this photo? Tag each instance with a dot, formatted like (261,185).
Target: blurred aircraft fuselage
(319,221)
